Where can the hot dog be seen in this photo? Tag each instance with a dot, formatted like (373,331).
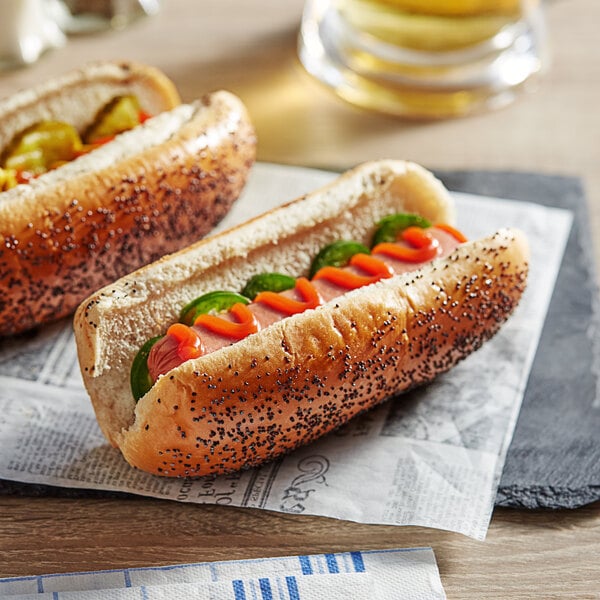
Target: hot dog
(103,170)
(238,404)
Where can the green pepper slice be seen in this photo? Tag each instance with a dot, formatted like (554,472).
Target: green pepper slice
(42,146)
(268,282)
(139,377)
(120,114)
(336,254)
(212,302)
(390,227)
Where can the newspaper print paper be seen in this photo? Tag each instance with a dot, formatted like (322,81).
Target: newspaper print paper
(432,457)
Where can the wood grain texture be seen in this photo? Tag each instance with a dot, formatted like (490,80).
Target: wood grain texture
(527,554)
(554,129)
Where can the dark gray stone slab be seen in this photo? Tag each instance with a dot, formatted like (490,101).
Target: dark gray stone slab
(554,458)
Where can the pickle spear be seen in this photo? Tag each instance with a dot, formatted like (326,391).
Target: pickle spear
(42,146)
(120,114)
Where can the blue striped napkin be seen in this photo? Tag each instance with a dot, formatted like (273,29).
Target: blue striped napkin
(370,575)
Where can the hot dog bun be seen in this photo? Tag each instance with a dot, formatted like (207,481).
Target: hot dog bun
(307,374)
(151,191)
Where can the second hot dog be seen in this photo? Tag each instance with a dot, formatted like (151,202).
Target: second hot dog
(124,199)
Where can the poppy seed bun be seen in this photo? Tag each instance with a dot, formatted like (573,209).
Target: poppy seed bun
(307,374)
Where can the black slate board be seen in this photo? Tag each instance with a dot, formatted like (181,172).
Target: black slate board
(554,458)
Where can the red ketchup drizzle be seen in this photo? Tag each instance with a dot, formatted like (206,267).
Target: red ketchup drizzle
(143,116)
(246,323)
(455,233)
(182,342)
(423,246)
(189,344)
(305,289)
(349,280)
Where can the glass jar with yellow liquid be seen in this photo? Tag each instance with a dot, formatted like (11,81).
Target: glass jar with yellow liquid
(423,58)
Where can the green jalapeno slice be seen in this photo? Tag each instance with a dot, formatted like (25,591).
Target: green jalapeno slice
(390,227)
(212,302)
(139,377)
(268,282)
(337,254)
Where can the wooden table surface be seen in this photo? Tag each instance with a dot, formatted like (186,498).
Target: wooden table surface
(249,48)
